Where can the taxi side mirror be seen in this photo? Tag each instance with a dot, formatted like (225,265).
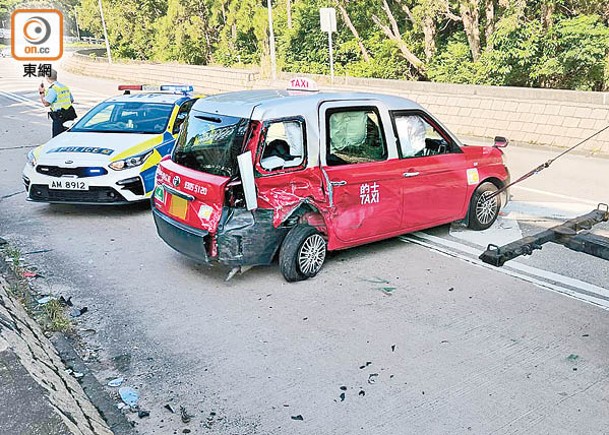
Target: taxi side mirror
(68,124)
(246,169)
(501,142)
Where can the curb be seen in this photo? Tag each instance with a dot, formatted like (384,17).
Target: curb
(45,397)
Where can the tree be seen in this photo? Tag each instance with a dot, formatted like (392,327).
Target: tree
(183,34)
(392,31)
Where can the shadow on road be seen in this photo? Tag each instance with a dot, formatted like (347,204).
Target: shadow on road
(95,211)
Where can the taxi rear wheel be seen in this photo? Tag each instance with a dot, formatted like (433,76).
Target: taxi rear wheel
(483,211)
(302,253)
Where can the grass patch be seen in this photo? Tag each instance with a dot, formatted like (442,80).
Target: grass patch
(14,255)
(56,318)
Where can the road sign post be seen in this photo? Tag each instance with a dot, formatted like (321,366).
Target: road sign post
(101,12)
(272,41)
(327,20)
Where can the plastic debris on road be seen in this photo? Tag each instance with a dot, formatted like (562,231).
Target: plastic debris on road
(77,312)
(372,378)
(45,300)
(116,382)
(186,417)
(298,417)
(67,302)
(28,274)
(129,396)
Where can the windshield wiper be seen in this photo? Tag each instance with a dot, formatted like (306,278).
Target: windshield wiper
(209,118)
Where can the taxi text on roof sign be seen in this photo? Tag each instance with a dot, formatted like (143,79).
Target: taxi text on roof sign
(302,84)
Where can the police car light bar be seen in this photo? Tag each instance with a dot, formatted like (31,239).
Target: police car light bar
(130,87)
(176,89)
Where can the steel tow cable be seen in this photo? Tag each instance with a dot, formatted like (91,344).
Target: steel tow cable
(543,166)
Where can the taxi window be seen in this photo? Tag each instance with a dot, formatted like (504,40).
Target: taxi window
(418,137)
(354,136)
(284,145)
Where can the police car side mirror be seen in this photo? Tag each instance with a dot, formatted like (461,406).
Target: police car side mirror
(246,169)
(68,124)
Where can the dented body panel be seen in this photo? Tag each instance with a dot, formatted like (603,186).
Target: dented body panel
(379,194)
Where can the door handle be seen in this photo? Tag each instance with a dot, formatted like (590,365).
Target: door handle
(338,183)
(410,174)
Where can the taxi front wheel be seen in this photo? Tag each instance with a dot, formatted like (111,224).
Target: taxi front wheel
(483,211)
(302,253)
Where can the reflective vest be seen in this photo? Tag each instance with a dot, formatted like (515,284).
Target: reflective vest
(63,100)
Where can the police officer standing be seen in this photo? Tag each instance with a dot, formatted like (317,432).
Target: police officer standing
(59,98)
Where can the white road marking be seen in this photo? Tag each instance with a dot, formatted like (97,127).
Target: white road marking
(526,273)
(535,211)
(556,195)
(19,99)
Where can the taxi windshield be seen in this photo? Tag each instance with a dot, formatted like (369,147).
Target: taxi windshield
(210,143)
(125,117)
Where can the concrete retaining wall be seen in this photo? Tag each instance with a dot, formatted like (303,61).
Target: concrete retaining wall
(206,79)
(533,116)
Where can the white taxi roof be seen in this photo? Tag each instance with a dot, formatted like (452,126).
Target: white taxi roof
(281,103)
(148,97)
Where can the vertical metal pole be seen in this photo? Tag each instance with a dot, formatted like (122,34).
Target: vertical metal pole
(101,11)
(271,41)
(331,57)
(76,22)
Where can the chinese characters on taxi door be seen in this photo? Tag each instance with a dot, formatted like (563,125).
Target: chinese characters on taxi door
(369,193)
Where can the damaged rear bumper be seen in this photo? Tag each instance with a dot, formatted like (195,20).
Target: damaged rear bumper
(244,238)
(188,241)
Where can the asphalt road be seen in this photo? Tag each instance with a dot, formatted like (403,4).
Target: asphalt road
(419,336)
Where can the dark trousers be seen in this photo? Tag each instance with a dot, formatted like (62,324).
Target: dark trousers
(58,127)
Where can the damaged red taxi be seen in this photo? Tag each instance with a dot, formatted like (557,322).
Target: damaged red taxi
(257,175)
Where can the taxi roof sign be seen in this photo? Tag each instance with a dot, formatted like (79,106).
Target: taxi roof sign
(302,84)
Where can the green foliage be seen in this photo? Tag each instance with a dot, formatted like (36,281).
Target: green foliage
(180,34)
(517,50)
(552,43)
(386,62)
(575,55)
(453,64)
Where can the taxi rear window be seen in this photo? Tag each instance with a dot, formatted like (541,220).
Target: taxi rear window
(211,143)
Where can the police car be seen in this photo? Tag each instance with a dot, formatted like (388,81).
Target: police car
(110,155)
(265,174)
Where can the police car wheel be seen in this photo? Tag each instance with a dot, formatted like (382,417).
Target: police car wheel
(483,211)
(302,253)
